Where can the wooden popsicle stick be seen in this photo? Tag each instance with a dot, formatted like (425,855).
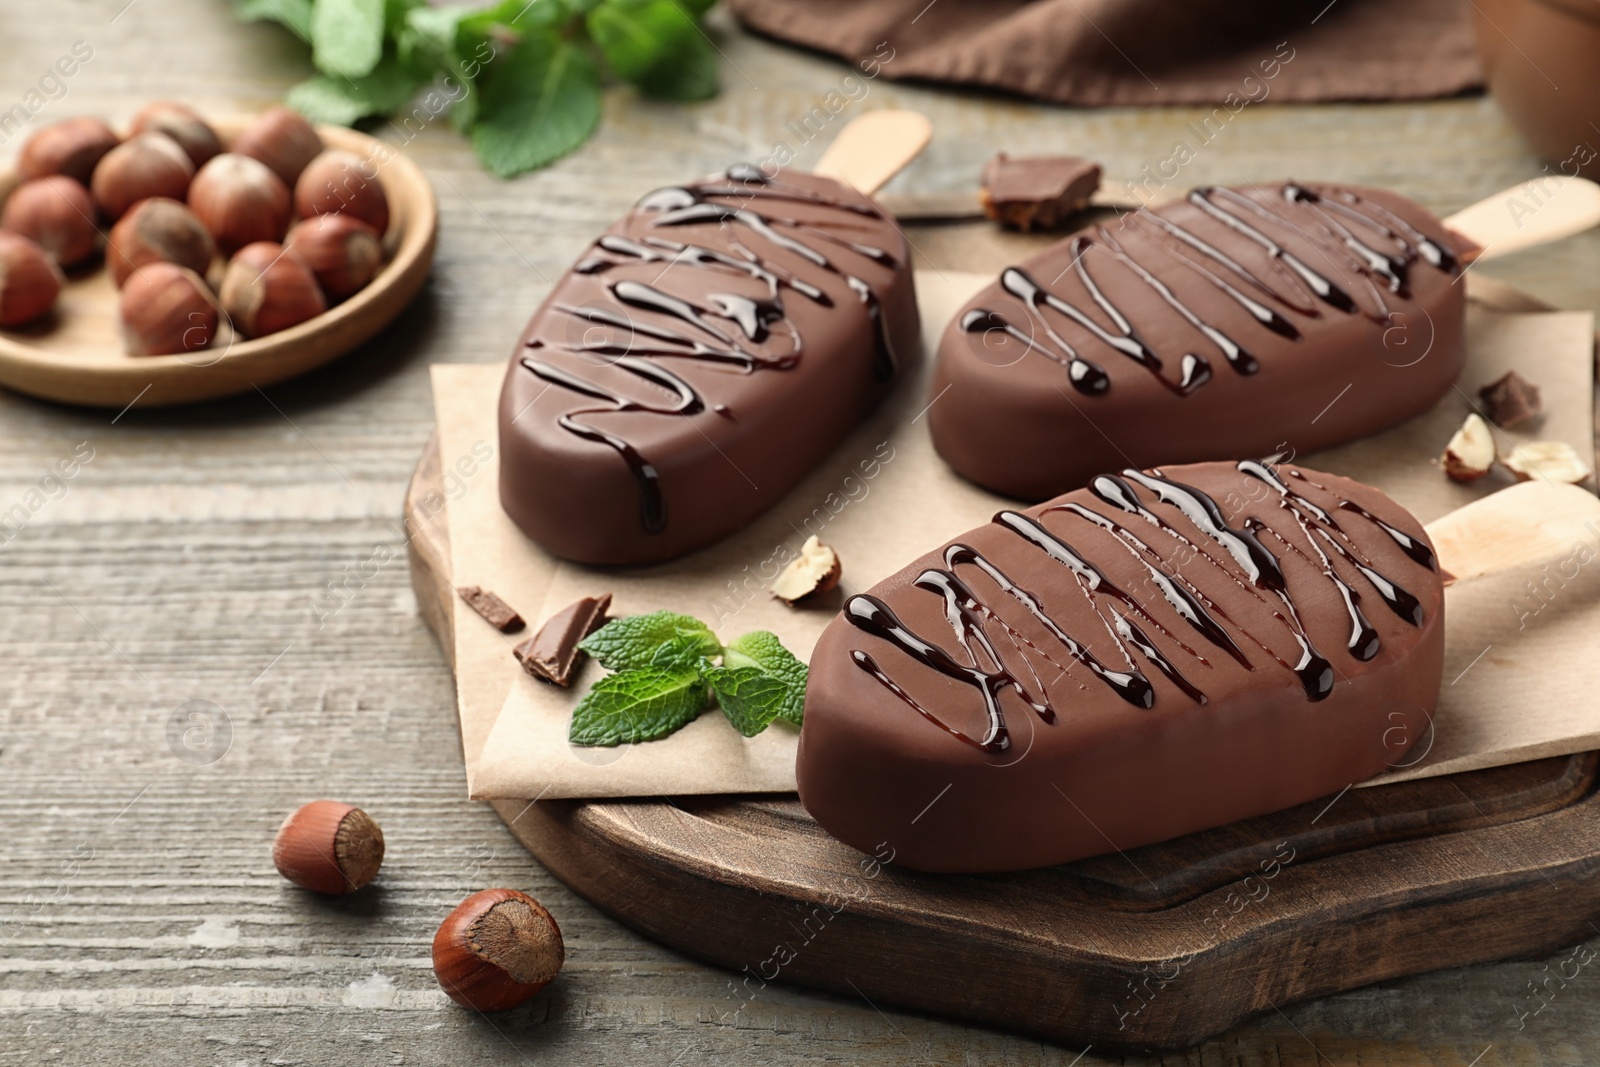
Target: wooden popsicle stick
(874,147)
(1533,213)
(1530,522)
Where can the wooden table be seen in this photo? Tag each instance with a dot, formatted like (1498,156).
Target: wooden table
(239,564)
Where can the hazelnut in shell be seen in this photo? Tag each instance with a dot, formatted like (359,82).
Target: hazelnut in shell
(151,164)
(29,280)
(166,310)
(343,183)
(265,290)
(283,140)
(183,124)
(240,201)
(158,230)
(328,847)
(497,949)
(343,252)
(72,147)
(55,213)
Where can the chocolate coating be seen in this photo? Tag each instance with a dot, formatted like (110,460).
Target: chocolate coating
(1226,324)
(700,359)
(1158,653)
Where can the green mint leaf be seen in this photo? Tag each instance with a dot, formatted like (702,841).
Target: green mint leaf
(347,36)
(657,46)
(632,641)
(687,653)
(295,14)
(341,101)
(540,100)
(749,696)
(761,649)
(697,8)
(638,705)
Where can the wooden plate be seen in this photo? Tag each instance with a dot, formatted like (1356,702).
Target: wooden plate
(1160,947)
(75,354)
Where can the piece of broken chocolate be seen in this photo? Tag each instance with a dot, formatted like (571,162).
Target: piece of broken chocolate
(500,614)
(1511,400)
(553,654)
(1037,192)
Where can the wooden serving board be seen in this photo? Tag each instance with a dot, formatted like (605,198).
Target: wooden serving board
(1159,947)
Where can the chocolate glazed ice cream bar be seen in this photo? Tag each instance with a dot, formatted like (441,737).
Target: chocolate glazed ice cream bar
(1157,653)
(700,359)
(1232,322)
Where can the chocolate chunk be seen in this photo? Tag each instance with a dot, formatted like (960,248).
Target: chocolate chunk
(553,654)
(1037,192)
(497,611)
(1511,400)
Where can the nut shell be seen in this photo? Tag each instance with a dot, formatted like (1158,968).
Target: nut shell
(73,147)
(29,280)
(265,290)
(283,140)
(240,200)
(183,124)
(496,950)
(343,183)
(167,309)
(343,252)
(56,213)
(328,847)
(158,230)
(151,164)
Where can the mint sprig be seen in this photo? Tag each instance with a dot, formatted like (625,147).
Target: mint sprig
(522,79)
(666,675)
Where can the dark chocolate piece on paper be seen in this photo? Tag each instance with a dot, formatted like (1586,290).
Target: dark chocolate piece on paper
(553,654)
(1037,192)
(1511,400)
(500,614)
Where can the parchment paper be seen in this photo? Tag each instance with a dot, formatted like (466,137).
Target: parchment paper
(1519,678)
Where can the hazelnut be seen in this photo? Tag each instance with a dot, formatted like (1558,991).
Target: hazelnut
(167,309)
(815,570)
(497,949)
(183,124)
(328,847)
(72,148)
(281,139)
(56,213)
(1470,453)
(158,230)
(1554,461)
(265,290)
(240,201)
(343,183)
(343,252)
(150,164)
(29,280)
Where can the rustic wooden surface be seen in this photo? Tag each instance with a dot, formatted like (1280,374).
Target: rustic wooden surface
(190,560)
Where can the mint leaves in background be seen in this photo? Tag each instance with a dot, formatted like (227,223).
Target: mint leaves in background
(522,78)
(666,675)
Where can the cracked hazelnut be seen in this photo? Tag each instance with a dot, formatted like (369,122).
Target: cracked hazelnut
(497,949)
(181,123)
(1470,453)
(283,140)
(816,570)
(265,290)
(1554,461)
(343,183)
(151,164)
(167,309)
(158,230)
(328,847)
(29,280)
(72,148)
(343,252)
(240,200)
(55,213)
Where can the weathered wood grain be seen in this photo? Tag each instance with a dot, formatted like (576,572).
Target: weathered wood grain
(199,542)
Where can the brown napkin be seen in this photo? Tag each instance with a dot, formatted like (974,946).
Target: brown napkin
(1101,52)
